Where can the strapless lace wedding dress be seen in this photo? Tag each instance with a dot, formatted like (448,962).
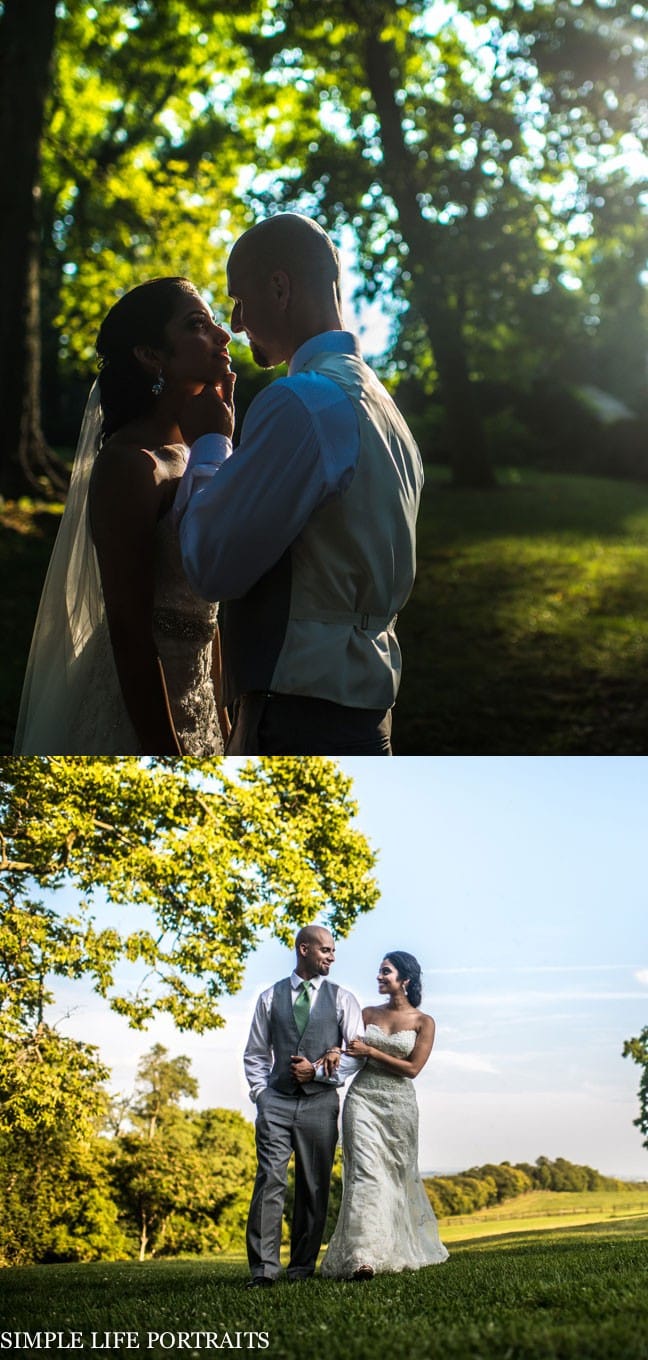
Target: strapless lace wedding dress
(386,1220)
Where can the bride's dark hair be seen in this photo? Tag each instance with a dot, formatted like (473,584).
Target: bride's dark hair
(138,318)
(408,967)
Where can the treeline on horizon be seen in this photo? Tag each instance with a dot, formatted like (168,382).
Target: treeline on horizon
(152,1179)
(482,1186)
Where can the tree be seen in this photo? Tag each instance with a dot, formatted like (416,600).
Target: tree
(26,43)
(184,1177)
(484,158)
(161,1085)
(342,129)
(117,164)
(483,1186)
(56,1199)
(466,149)
(207,860)
(637,1049)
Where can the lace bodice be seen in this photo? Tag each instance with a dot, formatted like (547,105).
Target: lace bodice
(177,612)
(374,1073)
(183,628)
(399,1044)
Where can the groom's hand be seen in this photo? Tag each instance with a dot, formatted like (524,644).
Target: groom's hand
(209,412)
(302,1069)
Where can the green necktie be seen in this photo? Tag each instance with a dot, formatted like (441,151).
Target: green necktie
(301,1008)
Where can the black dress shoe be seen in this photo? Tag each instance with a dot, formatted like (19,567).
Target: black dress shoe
(259,1282)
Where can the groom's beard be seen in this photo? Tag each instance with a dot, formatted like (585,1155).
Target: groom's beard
(260,357)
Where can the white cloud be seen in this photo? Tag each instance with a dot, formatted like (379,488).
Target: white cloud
(642,976)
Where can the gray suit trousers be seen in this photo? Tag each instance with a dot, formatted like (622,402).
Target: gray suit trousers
(306,1125)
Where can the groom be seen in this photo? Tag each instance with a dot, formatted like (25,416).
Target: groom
(294,1024)
(307,530)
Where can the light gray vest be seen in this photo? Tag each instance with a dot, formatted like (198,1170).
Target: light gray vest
(322,1032)
(321,623)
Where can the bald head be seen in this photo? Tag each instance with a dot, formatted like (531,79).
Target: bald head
(315,949)
(293,243)
(284,278)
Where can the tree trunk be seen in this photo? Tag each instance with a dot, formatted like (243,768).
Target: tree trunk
(470,461)
(143,1236)
(27,41)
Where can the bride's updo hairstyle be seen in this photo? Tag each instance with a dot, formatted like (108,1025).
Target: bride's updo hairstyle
(408,967)
(138,318)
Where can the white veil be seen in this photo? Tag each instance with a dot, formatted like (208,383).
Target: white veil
(70,614)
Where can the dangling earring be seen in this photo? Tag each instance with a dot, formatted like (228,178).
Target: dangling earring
(405,988)
(158,386)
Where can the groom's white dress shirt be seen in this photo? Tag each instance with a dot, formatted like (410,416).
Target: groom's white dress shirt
(300,445)
(306,533)
(258,1051)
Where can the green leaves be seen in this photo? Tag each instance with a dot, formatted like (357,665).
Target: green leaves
(208,860)
(49,1084)
(637,1049)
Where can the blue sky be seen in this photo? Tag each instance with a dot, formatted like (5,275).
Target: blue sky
(520,885)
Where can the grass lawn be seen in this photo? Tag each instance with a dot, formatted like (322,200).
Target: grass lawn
(573,1294)
(527,632)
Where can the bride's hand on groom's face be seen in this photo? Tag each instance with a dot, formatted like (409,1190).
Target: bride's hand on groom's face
(210,411)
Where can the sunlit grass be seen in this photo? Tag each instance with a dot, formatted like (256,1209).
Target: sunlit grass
(541,1210)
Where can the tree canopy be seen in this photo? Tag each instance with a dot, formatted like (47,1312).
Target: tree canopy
(205,859)
(482,163)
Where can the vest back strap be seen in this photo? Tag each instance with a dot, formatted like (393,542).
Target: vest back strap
(371,623)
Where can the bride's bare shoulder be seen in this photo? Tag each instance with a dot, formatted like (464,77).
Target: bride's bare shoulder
(119,451)
(369,1013)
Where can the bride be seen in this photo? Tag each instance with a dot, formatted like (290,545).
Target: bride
(124,657)
(386,1222)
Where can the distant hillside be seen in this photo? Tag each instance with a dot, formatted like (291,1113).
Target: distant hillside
(482,1186)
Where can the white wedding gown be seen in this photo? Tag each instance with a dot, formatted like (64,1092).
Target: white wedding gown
(386,1220)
